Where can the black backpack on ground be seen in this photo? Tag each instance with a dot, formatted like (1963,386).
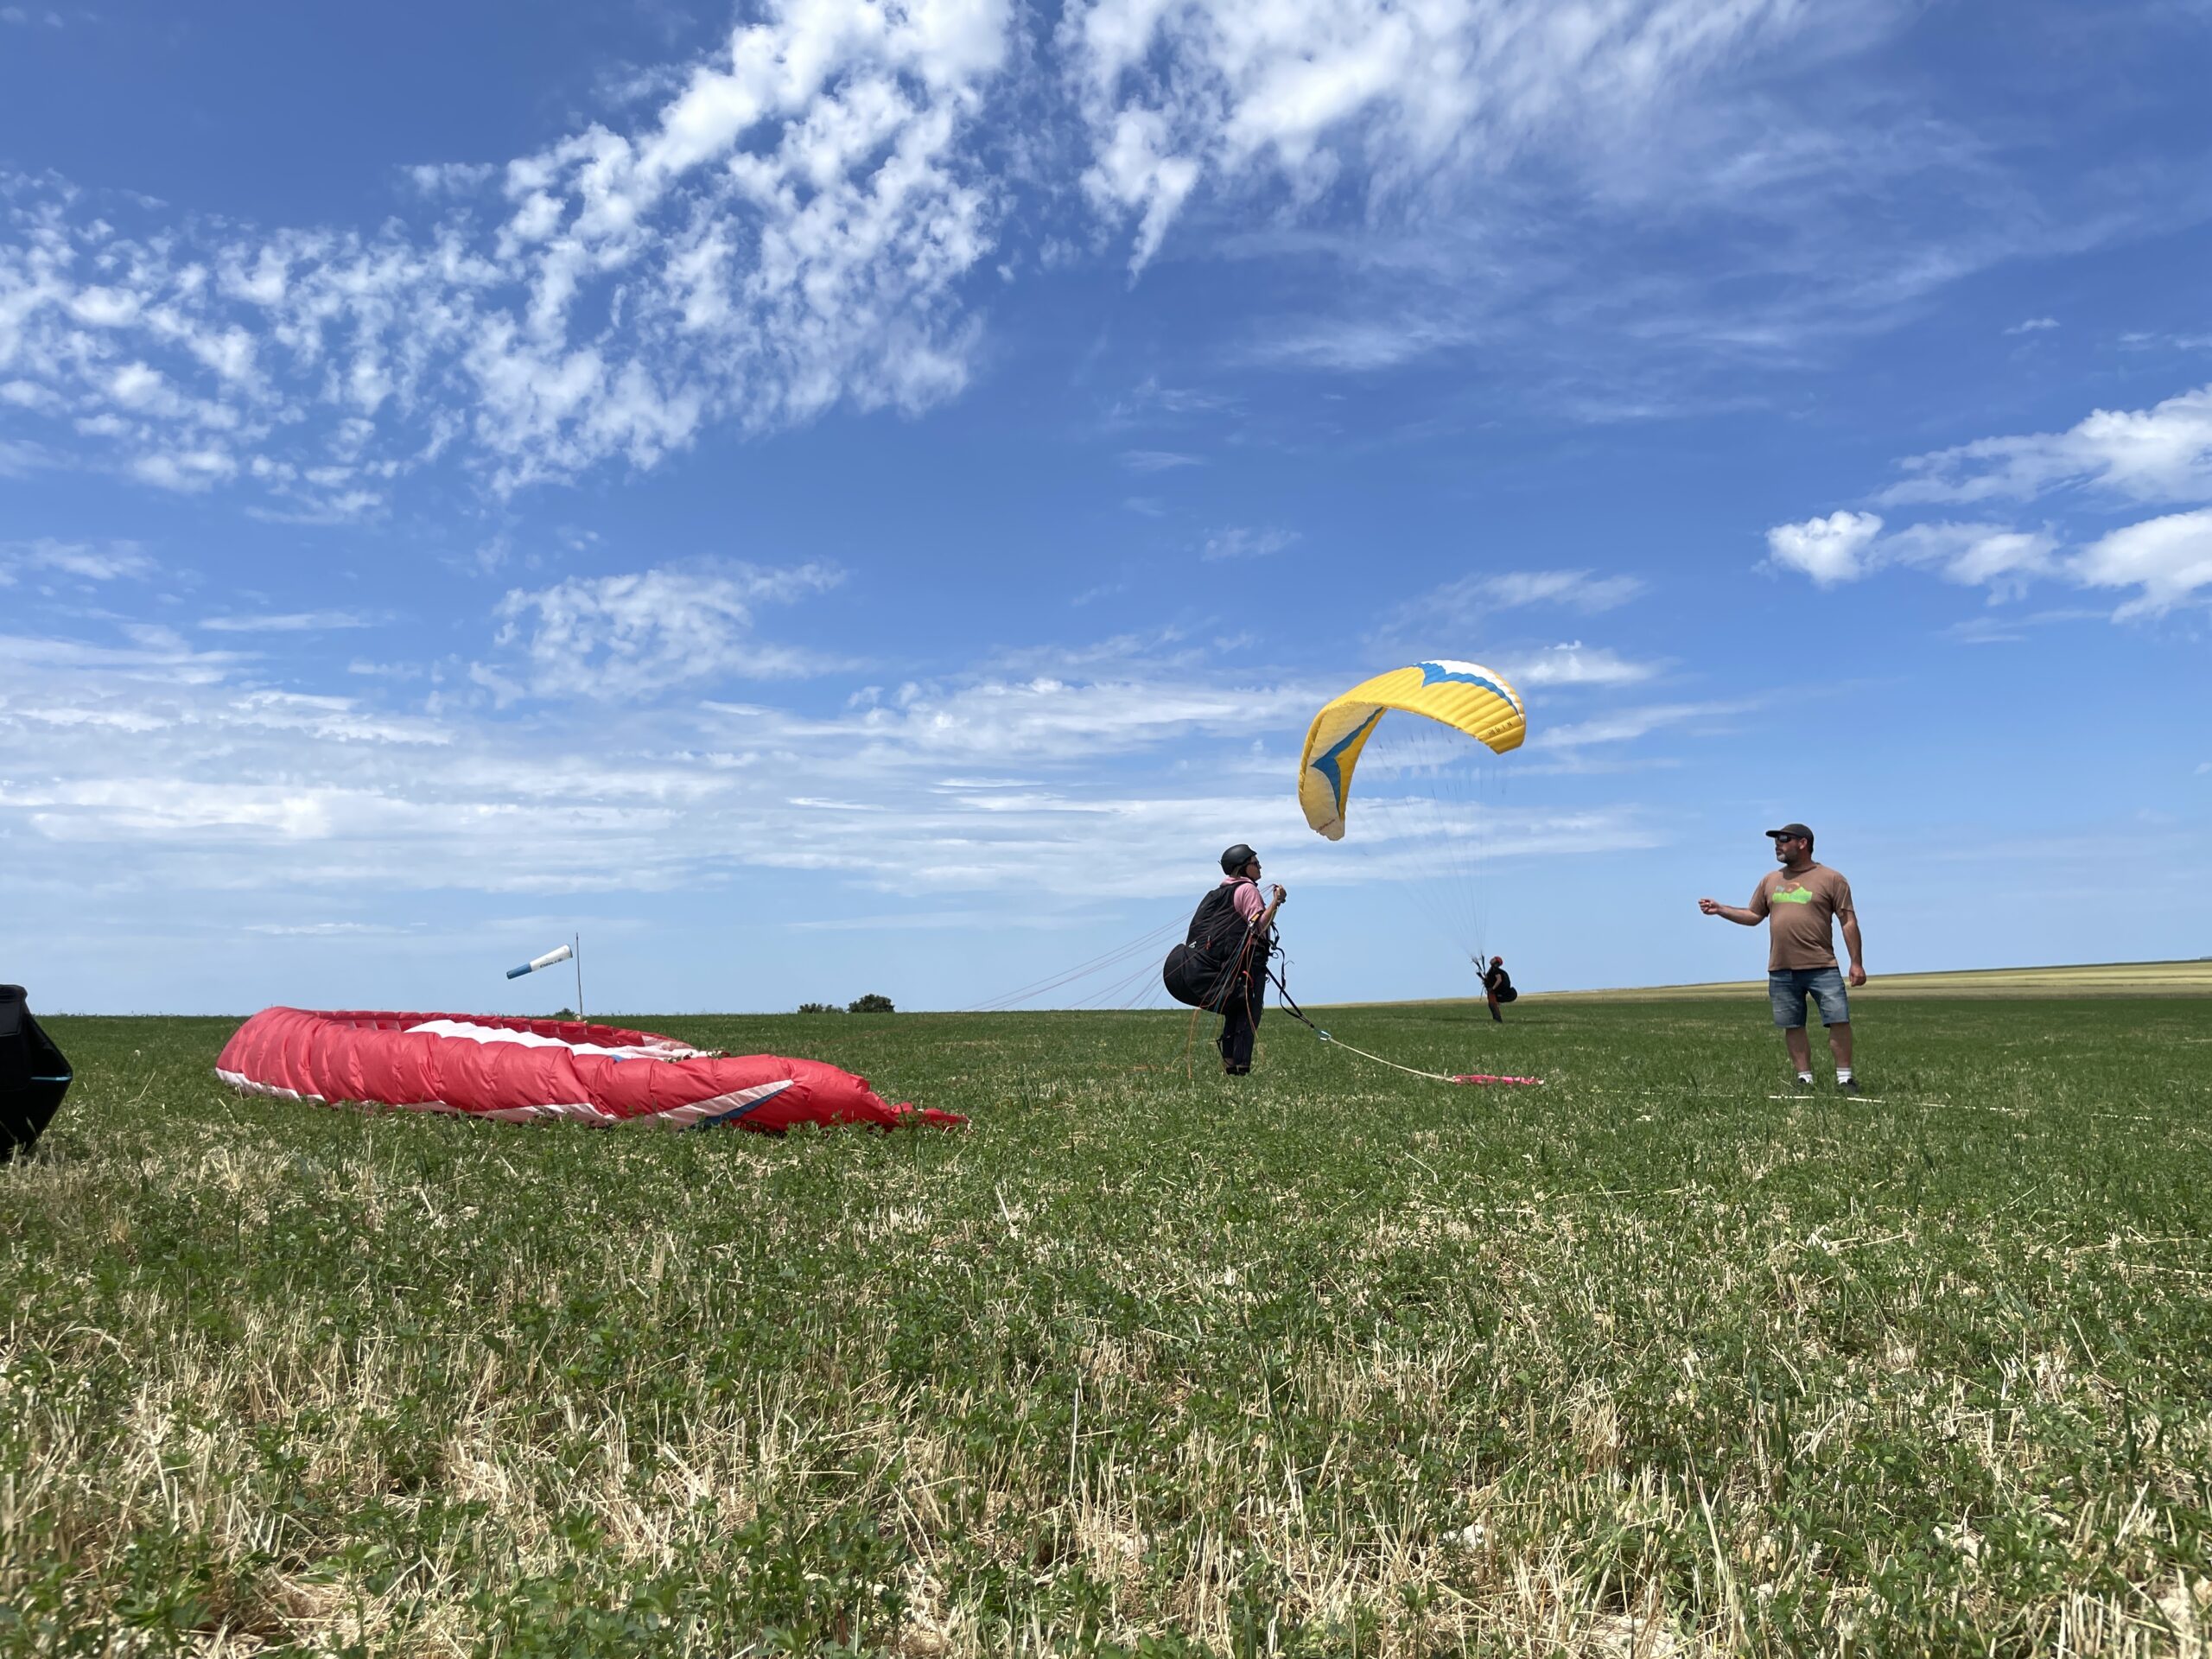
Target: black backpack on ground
(33,1076)
(1200,972)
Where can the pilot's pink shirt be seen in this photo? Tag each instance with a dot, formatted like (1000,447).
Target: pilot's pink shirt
(1246,899)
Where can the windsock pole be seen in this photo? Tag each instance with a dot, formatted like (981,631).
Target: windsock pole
(578,941)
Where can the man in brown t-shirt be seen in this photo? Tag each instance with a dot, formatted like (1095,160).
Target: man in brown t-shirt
(1798,903)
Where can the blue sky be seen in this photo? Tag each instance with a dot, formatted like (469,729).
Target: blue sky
(840,496)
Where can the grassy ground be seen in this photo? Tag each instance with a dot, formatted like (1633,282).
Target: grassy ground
(1332,1361)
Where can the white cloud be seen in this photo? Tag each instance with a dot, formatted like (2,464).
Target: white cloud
(1973,555)
(1149,401)
(1134,171)
(1354,344)
(1466,604)
(635,635)
(133,772)
(1846,199)
(1301,92)
(2033,326)
(1845,546)
(1157,461)
(1625,725)
(19,459)
(214,782)
(1245,543)
(155,655)
(1829,550)
(2169,558)
(188,470)
(86,561)
(1576,591)
(2010,628)
(1046,718)
(338,719)
(2163,453)
(2160,453)
(786,232)
(438,178)
(2140,341)
(1575,664)
(290,622)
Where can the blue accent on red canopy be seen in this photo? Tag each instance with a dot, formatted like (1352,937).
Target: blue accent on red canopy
(735,1113)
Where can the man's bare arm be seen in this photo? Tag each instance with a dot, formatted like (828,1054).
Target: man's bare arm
(1851,943)
(1735,913)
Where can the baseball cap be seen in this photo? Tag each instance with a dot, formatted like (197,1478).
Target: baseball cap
(1790,829)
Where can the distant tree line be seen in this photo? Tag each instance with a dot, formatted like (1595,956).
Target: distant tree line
(869,1004)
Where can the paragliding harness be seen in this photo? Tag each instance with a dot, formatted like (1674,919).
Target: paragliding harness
(33,1076)
(1220,968)
(1209,967)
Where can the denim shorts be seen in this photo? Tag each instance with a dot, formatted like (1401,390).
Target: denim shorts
(1788,988)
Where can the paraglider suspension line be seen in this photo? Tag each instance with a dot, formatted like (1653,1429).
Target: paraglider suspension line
(1290,1007)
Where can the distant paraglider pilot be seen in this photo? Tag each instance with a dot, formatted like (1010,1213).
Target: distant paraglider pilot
(1222,964)
(1497,988)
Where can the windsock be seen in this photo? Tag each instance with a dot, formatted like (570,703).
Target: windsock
(537,962)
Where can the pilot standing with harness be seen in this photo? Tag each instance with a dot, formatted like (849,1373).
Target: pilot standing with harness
(1497,987)
(1222,964)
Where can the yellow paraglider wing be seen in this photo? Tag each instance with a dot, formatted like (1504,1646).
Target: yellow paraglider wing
(1465,696)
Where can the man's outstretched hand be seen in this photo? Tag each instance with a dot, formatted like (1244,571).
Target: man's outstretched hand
(1710,907)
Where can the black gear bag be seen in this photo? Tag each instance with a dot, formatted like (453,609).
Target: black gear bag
(1202,971)
(34,1075)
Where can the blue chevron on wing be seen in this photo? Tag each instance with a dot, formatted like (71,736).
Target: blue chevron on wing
(1463,674)
(1328,764)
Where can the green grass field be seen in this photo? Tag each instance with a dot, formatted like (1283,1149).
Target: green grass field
(1327,1361)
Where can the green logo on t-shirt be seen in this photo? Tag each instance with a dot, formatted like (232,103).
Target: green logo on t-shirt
(1792,895)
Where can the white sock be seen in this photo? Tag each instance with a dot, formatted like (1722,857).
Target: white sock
(1843,1074)
(1805,1076)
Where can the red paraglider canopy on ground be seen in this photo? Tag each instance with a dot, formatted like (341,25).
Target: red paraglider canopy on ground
(517,1070)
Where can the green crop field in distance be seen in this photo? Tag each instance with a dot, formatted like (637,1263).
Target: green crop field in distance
(1325,1361)
(2185,978)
